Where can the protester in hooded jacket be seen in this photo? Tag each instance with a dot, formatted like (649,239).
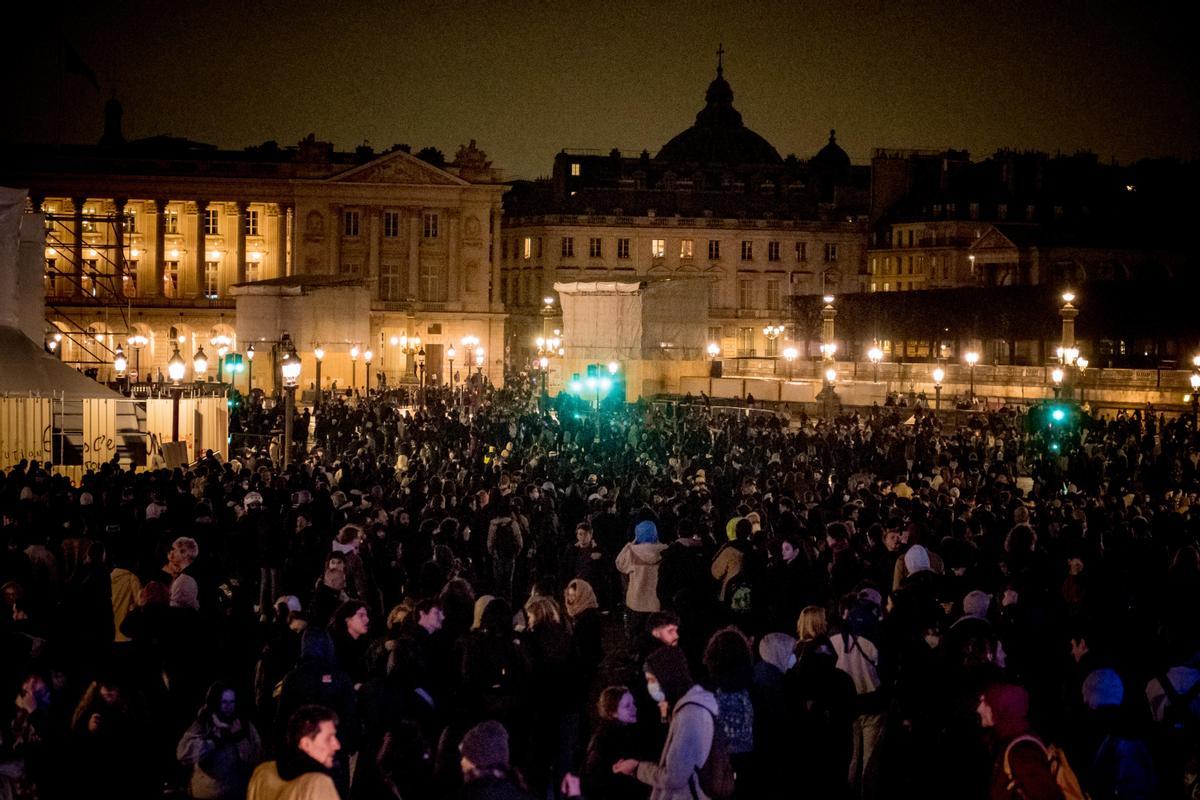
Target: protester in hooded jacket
(693,715)
(639,560)
(1004,714)
(221,747)
(316,680)
(769,694)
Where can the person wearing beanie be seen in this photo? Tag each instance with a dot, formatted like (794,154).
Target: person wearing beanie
(1118,758)
(640,560)
(484,760)
(692,723)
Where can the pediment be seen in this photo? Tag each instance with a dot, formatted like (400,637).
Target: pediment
(399,167)
(993,240)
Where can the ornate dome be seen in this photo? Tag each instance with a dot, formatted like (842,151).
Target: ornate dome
(831,157)
(719,137)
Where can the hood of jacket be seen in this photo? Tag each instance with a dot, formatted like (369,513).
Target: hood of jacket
(646,553)
(700,696)
(316,647)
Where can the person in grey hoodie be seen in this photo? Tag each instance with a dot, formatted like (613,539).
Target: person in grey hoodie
(639,561)
(690,735)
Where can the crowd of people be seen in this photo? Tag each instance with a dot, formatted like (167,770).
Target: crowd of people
(507,598)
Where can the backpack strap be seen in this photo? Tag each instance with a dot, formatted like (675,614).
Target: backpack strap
(694,778)
(1026,737)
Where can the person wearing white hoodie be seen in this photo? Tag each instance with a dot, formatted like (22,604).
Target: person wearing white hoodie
(639,561)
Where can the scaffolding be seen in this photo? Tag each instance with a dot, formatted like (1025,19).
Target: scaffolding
(86,269)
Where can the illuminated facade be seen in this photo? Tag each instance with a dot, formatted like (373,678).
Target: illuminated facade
(717,201)
(147,238)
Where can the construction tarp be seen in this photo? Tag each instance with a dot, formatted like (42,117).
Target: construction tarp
(26,369)
(629,321)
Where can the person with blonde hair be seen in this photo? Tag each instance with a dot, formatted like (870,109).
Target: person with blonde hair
(616,737)
(811,624)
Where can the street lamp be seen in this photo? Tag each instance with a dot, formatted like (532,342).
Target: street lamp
(939,375)
(789,355)
(875,355)
(1082,364)
(1057,376)
(714,350)
(827,392)
(772,332)
(199,364)
(120,363)
(1195,379)
(221,343)
(353,367)
(319,355)
(289,366)
(972,358)
(175,370)
(367,356)
(450,354)
(479,356)
(421,374)
(137,342)
(250,369)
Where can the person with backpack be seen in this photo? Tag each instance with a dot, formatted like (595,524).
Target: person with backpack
(694,764)
(1174,699)
(1023,766)
(858,656)
(504,545)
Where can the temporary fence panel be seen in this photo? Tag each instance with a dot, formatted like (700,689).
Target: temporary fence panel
(99,432)
(26,425)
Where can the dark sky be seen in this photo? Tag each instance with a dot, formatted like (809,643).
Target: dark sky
(528,79)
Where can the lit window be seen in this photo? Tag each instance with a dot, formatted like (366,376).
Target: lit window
(430,227)
(527,248)
(350,221)
(130,223)
(170,287)
(685,248)
(576,168)
(772,251)
(773,294)
(622,248)
(391,224)
(212,272)
(747,250)
(251,222)
(658,248)
(171,221)
(210,222)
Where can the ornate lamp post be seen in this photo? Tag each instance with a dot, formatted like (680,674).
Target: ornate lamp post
(175,370)
(1057,376)
(789,355)
(714,350)
(875,355)
(367,356)
(479,357)
(450,354)
(319,355)
(120,365)
(421,374)
(137,342)
(250,369)
(828,392)
(221,343)
(1082,364)
(353,368)
(773,332)
(1195,380)
(972,358)
(199,364)
(289,366)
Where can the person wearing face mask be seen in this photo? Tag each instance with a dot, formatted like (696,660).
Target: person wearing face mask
(691,711)
(220,747)
(616,737)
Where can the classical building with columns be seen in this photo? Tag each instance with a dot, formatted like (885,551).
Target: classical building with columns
(149,238)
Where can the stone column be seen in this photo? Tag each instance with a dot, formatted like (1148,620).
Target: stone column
(496,301)
(453,243)
(279,248)
(119,259)
(201,259)
(77,245)
(240,244)
(160,244)
(335,239)
(374,231)
(414,253)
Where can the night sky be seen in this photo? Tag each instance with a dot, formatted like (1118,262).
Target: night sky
(528,79)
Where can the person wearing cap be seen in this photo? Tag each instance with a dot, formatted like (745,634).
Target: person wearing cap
(484,760)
